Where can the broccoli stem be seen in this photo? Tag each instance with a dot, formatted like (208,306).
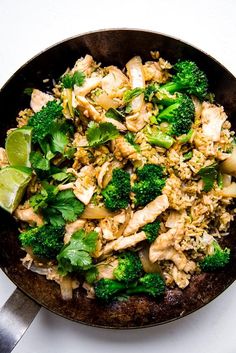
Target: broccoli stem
(161,139)
(170,87)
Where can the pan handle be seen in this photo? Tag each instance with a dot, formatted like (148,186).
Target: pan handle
(16,316)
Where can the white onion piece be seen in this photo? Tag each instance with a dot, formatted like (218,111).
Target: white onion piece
(136,76)
(96,212)
(66,288)
(226,180)
(148,266)
(37,269)
(229,165)
(229,191)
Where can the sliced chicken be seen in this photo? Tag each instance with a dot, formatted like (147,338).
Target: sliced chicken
(112,226)
(147,215)
(123,149)
(123,243)
(105,270)
(39,99)
(213,118)
(89,84)
(28,215)
(71,228)
(114,81)
(85,184)
(85,65)
(180,277)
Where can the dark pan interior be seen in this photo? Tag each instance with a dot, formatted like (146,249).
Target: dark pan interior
(110,47)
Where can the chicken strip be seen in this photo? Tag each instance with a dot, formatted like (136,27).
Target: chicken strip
(85,65)
(39,99)
(114,82)
(28,215)
(123,243)
(123,149)
(147,215)
(71,228)
(88,85)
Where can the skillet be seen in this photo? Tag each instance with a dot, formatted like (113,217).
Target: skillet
(108,47)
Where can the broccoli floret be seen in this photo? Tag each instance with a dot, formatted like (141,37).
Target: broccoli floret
(129,267)
(106,289)
(158,138)
(151,230)
(116,193)
(43,121)
(45,241)
(219,259)
(188,78)
(179,115)
(150,184)
(151,284)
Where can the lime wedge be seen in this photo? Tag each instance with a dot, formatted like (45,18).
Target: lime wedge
(13,182)
(18,146)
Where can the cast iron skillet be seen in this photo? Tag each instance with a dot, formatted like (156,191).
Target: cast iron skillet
(110,47)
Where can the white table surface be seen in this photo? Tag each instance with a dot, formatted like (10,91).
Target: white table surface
(27,27)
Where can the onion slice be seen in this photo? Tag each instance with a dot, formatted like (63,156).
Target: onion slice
(148,266)
(96,212)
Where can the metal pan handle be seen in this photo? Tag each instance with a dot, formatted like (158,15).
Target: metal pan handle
(16,316)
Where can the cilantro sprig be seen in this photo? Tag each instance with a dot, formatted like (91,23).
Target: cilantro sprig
(76,255)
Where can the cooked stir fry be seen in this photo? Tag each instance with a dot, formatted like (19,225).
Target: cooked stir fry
(121,180)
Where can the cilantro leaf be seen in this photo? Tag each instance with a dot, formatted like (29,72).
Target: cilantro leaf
(98,134)
(209,175)
(130,94)
(57,207)
(76,256)
(68,80)
(59,140)
(38,161)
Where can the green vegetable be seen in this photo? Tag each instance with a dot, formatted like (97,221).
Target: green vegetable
(57,207)
(116,193)
(131,139)
(186,137)
(187,156)
(219,259)
(76,255)
(129,267)
(45,241)
(43,121)
(98,134)
(39,162)
(149,94)
(179,115)
(151,230)
(209,175)
(68,80)
(129,95)
(158,138)
(151,284)
(91,274)
(149,185)
(188,78)
(115,114)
